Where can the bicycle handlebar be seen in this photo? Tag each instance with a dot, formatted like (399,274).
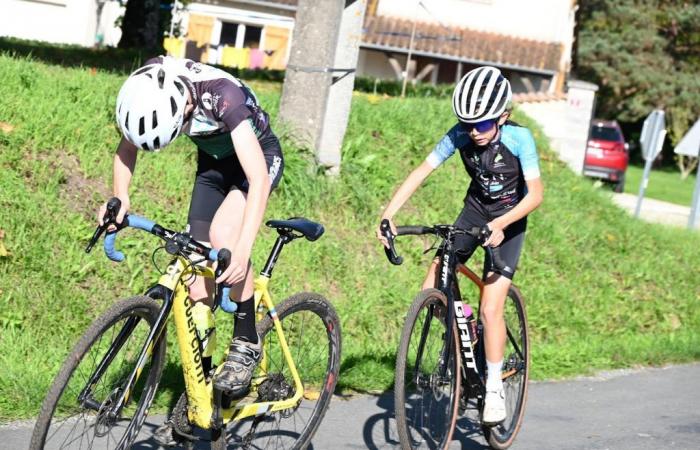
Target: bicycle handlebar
(221,256)
(480,233)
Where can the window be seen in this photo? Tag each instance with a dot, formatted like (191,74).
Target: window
(605,133)
(252,36)
(228,33)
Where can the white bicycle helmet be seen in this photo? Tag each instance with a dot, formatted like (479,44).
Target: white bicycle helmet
(481,94)
(151,106)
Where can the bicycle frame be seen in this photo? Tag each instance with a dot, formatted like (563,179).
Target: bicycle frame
(172,290)
(456,313)
(473,359)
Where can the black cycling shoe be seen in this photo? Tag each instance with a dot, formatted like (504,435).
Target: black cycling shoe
(237,371)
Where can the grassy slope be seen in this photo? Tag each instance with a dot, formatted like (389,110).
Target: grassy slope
(664,184)
(603,290)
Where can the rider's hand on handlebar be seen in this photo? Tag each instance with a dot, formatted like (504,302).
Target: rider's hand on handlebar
(380,236)
(497,234)
(235,272)
(120,216)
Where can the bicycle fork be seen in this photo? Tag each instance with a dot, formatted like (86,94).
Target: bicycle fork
(115,405)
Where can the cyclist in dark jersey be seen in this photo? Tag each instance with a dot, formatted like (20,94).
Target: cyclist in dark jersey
(501,160)
(239,162)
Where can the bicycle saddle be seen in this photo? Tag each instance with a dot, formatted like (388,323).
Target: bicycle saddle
(310,230)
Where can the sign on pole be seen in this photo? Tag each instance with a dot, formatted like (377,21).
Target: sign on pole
(690,146)
(651,141)
(653,124)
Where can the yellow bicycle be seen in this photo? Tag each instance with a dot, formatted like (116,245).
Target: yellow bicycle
(101,395)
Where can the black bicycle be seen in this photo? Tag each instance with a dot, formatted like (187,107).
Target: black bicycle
(441,369)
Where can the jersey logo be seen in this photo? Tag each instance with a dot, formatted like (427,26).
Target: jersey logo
(206,100)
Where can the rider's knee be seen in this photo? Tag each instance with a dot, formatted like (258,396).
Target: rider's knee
(490,312)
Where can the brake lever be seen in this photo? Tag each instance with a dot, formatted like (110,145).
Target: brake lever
(390,252)
(222,293)
(494,253)
(109,218)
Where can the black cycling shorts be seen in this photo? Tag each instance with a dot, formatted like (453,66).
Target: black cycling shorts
(217,177)
(510,248)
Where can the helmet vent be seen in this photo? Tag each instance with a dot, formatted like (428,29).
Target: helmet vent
(154,122)
(161,78)
(142,126)
(141,70)
(145,146)
(156,143)
(126,121)
(180,87)
(173,105)
(174,134)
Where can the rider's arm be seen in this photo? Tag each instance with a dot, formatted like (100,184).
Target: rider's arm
(533,199)
(124,164)
(253,163)
(442,151)
(526,152)
(407,188)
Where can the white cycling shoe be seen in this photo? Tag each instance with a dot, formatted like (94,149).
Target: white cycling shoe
(494,407)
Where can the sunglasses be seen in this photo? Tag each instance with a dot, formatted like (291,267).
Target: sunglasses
(481,127)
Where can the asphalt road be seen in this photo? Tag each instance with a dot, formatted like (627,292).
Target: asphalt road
(622,410)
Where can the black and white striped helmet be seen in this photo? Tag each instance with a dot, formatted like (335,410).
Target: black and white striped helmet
(483,93)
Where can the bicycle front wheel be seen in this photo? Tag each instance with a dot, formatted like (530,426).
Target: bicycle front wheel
(426,397)
(312,331)
(68,421)
(515,373)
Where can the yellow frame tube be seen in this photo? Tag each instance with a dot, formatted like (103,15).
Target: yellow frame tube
(199,391)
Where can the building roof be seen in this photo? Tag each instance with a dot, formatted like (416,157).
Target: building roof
(453,43)
(461,44)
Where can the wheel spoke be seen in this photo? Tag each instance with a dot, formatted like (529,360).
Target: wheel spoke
(425,400)
(311,343)
(73,425)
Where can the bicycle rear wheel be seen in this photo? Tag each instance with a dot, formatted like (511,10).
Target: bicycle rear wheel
(66,422)
(426,402)
(312,331)
(515,373)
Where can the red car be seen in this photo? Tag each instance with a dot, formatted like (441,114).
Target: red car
(607,153)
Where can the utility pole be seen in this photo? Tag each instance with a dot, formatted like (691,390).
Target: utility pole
(318,82)
(408,57)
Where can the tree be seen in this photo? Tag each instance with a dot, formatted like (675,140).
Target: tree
(644,54)
(141,25)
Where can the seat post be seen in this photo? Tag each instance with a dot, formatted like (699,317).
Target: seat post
(282,239)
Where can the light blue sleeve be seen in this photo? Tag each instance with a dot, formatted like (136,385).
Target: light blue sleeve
(522,144)
(445,148)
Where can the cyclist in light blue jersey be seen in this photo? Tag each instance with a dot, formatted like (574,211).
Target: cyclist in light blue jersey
(501,160)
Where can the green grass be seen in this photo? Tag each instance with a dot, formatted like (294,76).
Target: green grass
(664,184)
(603,290)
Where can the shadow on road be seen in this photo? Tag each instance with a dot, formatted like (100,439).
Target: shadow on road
(379,430)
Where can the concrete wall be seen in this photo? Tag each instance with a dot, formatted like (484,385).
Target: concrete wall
(58,21)
(542,20)
(566,122)
(375,64)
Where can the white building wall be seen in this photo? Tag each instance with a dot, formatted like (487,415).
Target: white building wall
(58,21)
(375,64)
(542,20)
(566,122)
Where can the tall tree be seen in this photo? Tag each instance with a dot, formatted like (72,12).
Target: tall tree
(643,54)
(141,25)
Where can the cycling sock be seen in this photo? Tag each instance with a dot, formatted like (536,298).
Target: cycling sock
(493,378)
(244,321)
